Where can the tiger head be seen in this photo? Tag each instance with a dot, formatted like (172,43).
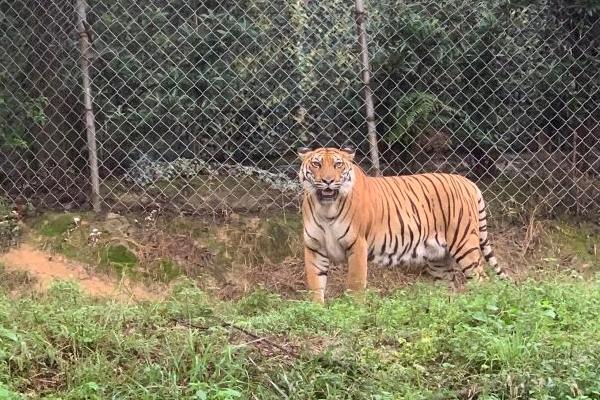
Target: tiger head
(326,172)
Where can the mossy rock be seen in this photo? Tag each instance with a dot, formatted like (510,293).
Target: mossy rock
(54,225)
(119,258)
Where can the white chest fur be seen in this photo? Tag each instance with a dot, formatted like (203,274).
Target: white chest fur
(335,244)
(331,238)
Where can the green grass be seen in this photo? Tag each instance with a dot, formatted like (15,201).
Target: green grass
(536,340)
(54,225)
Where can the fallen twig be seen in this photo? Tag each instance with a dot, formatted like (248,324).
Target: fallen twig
(254,336)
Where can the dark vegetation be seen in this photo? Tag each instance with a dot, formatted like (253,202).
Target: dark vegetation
(247,81)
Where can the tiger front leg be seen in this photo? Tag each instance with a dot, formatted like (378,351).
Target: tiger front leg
(357,266)
(316,266)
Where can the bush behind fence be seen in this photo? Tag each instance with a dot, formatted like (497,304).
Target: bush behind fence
(200,105)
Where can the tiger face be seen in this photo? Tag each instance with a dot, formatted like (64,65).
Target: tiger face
(327,172)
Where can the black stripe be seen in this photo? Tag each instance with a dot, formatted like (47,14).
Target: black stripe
(383,245)
(345,232)
(312,213)
(395,202)
(483,228)
(323,273)
(382,198)
(341,208)
(389,217)
(316,251)
(470,266)
(346,211)
(450,196)
(426,226)
(399,215)
(351,244)
(472,249)
(455,236)
(395,244)
(418,222)
(416,212)
(448,206)
(318,267)
(308,234)
(490,255)
(414,248)
(439,199)
(409,244)
(464,195)
(463,239)
(425,192)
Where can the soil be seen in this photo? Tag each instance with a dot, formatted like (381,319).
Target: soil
(234,257)
(45,267)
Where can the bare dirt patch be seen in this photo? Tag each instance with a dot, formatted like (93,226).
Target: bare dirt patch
(45,268)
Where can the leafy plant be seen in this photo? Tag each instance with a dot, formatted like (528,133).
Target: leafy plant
(418,112)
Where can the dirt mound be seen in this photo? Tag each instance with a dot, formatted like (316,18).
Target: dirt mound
(46,267)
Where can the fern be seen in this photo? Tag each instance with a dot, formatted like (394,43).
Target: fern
(416,111)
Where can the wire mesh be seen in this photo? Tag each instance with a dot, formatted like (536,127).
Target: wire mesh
(199,106)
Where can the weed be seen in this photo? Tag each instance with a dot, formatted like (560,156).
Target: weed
(55,225)
(495,341)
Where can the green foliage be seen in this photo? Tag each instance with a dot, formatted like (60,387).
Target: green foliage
(166,271)
(493,62)
(119,258)
(417,112)
(224,75)
(533,340)
(55,225)
(248,78)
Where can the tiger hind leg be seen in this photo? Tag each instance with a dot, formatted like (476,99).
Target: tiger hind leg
(441,267)
(470,261)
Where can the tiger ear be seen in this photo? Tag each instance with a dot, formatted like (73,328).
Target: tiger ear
(303,152)
(350,151)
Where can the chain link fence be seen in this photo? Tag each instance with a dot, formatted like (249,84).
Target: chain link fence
(199,105)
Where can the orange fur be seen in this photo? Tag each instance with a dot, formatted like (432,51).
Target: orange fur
(432,219)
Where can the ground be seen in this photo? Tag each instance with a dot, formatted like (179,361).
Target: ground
(161,306)
(235,255)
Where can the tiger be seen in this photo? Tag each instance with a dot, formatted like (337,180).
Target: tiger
(432,220)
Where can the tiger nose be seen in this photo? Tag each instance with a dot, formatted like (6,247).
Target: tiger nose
(328,180)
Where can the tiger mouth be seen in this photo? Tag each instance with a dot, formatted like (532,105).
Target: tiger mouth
(325,195)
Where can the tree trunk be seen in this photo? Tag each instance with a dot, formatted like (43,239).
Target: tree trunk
(84,41)
(366,78)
